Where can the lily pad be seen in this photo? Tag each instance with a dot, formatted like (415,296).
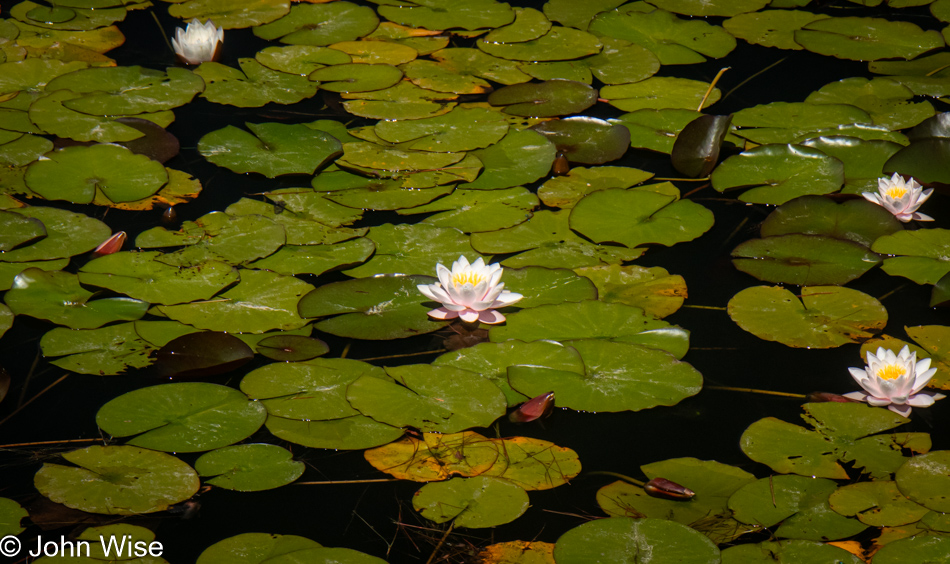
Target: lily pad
(413,249)
(320,24)
(431,398)
(474,503)
(919,548)
(260,302)
(803,259)
(788,552)
(105,351)
(249,468)
(300,59)
(660,92)
(921,159)
(182,417)
(254,548)
(566,191)
(402,101)
(459,130)
(558,44)
(252,86)
(479,210)
(78,174)
(592,319)
(615,539)
(799,503)
(573,14)
(714,8)
(587,140)
(878,504)
(824,317)
(311,390)
(857,220)
(378,308)
(10,516)
(348,433)
(656,129)
(673,40)
(925,479)
(445,14)
(654,290)
(201,353)
(844,432)
(128,90)
(292,260)
(779,173)
(529,24)
(272,149)
(356,77)
(886,101)
(217,236)
(521,157)
(230,15)
(771,28)
(867,39)
(17,230)
(118,480)
(58,297)
(923,254)
(783,122)
(545,99)
(654,218)
(140,276)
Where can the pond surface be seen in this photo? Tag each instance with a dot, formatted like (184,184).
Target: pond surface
(341,500)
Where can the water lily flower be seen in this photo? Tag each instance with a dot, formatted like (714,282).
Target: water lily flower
(895,381)
(470,291)
(198,43)
(667,489)
(900,197)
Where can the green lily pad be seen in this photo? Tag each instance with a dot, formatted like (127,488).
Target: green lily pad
(459,130)
(788,552)
(443,77)
(885,100)
(78,174)
(867,39)
(356,77)
(182,417)
(413,249)
(653,290)
(803,259)
(249,468)
(105,351)
(673,40)
(586,140)
(844,432)
(619,377)
(658,218)
(592,319)
(254,548)
(24,150)
(307,216)
(783,122)
(362,155)
(921,159)
(402,101)
(217,236)
(128,90)
(879,504)
(529,24)
(474,503)
(300,59)
(852,220)
(445,14)
(10,516)
(118,480)
(616,539)
(233,14)
(52,117)
(272,149)
(492,360)
(621,62)
(713,483)
(33,74)
(252,86)
(260,302)
(824,317)
(863,159)
(920,548)
(140,276)
(576,15)
(547,240)
(349,433)
(66,18)
(558,44)
(473,211)
(521,157)
(656,129)
(771,28)
(660,92)
(312,390)
(779,173)
(17,230)
(368,193)
(545,99)
(6,321)
(320,24)
(715,8)
(58,297)
(924,254)
(543,286)
(292,260)
(376,52)
(799,503)
(431,398)
(378,308)
(924,479)
(476,63)
(566,191)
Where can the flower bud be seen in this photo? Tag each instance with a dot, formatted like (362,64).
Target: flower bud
(666,489)
(534,408)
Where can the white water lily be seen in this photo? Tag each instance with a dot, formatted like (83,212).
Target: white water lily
(894,381)
(470,291)
(198,42)
(900,197)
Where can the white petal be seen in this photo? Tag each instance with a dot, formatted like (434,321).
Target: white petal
(442,313)
(444,275)
(491,317)
(857,396)
(429,291)
(878,402)
(922,217)
(903,410)
(507,298)
(466,295)
(920,400)
(469,316)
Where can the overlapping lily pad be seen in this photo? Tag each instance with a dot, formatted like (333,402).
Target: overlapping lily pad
(357,432)
(459,130)
(779,173)
(673,40)
(477,502)
(824,316)
(867,39)
(182,417)
(272,149)
(804,259)
(320,24)
(660,92)
(616,538)
(446,14)
(923,254)
(249,468)
(253,85)
(654,290)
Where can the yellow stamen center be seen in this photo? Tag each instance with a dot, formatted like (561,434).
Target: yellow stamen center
(891,372)
(896,191)
(463,278)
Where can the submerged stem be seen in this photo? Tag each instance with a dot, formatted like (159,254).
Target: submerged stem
(757,391)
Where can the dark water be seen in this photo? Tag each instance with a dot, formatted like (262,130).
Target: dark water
(378,518)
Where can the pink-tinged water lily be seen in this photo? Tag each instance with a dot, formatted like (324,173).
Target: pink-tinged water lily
(895,381)
(198,42)
(470,291)
(900,197)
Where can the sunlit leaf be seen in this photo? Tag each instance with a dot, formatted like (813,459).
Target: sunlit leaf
(413,249)
(660,92)
(923,254)
(10,516)
(473,211)
(521,157)
(232,14)
(788,552)
(348,433)
(474,503)
(459,130)
(925,479)
(779,173)
(616,538)
(867,39)
(558,44)
(320,24)
(863,159)
(878,503)
(783,122)
(128,90)
(249,468)
(652,289)
(673,40)
(104,351)
(118,480)
(272,149)
(254,548)
(771,28)
(803,259)
(544,99)
(253,85)
(886,101)
(445,14)
(529,25)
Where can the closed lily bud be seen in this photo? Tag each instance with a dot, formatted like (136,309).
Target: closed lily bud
(534,408)
(169,216)
(111,245)
(561,166)
(818,397)
(666,489)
